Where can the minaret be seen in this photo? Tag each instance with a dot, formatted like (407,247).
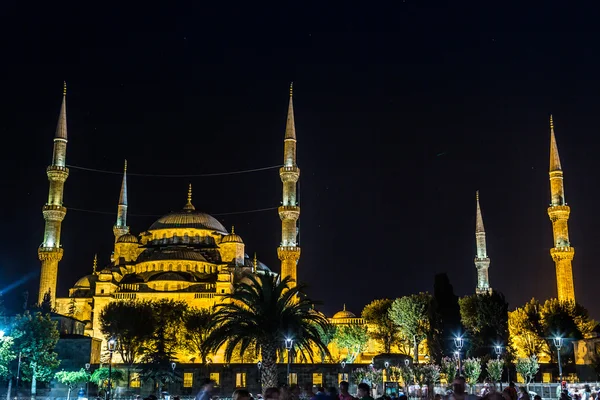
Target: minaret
(289,212)
(121,228)
(50,252)
(559,211)
(482,262)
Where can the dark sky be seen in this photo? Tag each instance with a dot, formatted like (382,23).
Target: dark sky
(402,113)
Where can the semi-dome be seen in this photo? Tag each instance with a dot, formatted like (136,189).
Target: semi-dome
(232,237)
(188,218)
(344,314)
(127,238)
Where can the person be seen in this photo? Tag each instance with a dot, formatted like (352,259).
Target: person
(307,393)
(321,393)
(344,394)
(205,390)
(272,393)
(564,395)
(295,391)
(437,396)
(537,397)
(332,393)
(285,393)
(523,395)
(364,391)
(459,390)
(587,392)
(511,391)
(241,394)
(485,390)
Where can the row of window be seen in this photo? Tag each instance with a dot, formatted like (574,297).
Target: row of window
(240,379)
(207,269)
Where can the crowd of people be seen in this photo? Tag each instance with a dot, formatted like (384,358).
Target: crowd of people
(458,391)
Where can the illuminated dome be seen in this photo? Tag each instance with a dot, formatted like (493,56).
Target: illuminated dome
(343,314)
(85,282)
(232,237)
(127,238)
(188,218)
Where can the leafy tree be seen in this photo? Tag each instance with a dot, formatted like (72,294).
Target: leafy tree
(101,375)
(407,374)
(353,338)
(131,323)
(35,337)
(485,318)
(72,378)
(383,329)
(528,368)
(449,368)
(7,355)
(412,315)
(447,322)
(472,368)
(427,374)
(526,330)
(47,304)
(197,322)
(167,318)
(494,369)
(264,310)
(327,333)
(72,308)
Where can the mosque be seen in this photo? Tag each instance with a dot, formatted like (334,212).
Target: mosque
(189,255)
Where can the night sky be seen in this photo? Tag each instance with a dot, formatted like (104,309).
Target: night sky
(402,113)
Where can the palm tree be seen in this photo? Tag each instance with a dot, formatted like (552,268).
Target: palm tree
(263,311)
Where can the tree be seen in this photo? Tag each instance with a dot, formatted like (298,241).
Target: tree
(131,323)
(383,329)
(485,318)
(412,315)
(72,378)
(494,369)
(327,333)
(35,337)
(449,367)
(447,322)
(528,368)
(472,368)
(72,308)
(352,338)
(526,330)
(47,305)
(7,355)
(264,310)
(197,322)
(101,375)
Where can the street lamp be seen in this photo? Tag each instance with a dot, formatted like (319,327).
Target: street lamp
(459,342)
(112,346)
(87,382)
(558,342)
(289,344)
(498,350)
(259,366)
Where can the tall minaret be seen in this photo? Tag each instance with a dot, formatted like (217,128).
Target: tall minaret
(121,228)
(289,212)
(559,211)
(50,252)
(482,262)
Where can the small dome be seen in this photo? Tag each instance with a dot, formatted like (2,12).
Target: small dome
(232,237)
(86,281)
(127,238)
(344,314)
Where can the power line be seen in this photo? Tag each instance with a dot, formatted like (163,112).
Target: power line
(160,215)
(244,171)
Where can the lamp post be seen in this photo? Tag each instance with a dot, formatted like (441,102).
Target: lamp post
(558,342)
(289,344)
(87,382)
(343,365)
(112,346)
(18,374)
(259,366)
(459,342)
(498,350)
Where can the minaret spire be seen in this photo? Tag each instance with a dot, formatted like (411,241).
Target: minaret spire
(289,212)
(95,266)
(120,228)
(50,251)
(559,212)
(482,261)
(189,206)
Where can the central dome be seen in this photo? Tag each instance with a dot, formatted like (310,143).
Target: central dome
(189,218)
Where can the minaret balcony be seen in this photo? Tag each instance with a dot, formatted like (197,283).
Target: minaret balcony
(562,253)
(53,212)
(289,174)
(559,212)
(289,212)
(50,253)
(57,173)
(288,252)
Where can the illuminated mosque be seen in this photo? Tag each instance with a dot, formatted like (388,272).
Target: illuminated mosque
(189,255)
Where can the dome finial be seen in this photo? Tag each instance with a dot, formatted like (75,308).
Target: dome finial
(64,88)
(189,206)
(125,167)
(291,89)
(344,306)
(233,229)
(255,263)
(95,266)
